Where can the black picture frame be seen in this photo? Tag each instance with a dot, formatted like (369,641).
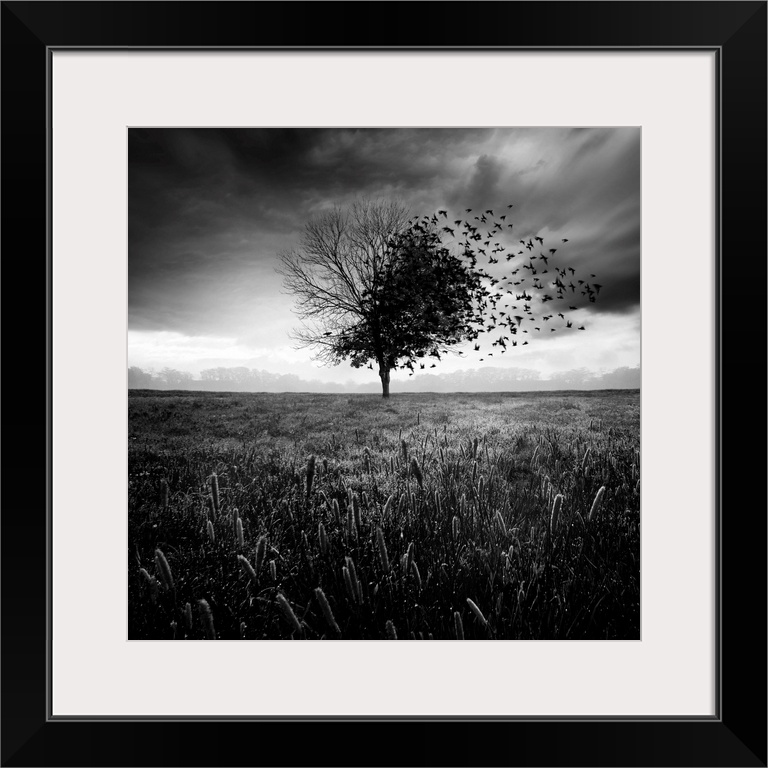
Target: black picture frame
(736,736)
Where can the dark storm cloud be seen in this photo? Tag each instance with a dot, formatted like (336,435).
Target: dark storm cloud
(209,209)
(485,179)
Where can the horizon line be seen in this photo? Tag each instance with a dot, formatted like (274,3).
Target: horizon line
(378,394)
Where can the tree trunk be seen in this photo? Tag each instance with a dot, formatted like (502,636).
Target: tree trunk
(384,376)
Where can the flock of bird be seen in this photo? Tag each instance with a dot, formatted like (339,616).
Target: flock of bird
(533,278)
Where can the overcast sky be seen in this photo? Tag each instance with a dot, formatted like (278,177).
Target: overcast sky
(210,209)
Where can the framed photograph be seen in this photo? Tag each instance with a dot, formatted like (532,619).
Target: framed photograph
(410,329)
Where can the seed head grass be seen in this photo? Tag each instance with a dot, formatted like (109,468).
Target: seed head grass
(478,613)
(508,516)
(248,568)
(595,508)
(416,471)
(555,516)
(325,607)
(207,618)
(382,546)
(290,616)
(261,549)
(458,625)
(214,480)
(164,570)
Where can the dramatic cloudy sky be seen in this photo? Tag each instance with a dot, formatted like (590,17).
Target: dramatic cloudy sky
(210,209)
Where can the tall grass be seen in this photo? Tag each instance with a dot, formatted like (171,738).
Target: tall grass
(443,517)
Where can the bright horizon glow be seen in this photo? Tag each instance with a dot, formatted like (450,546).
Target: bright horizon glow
(614,342)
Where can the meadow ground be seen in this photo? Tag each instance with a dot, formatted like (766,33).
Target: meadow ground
(425,516)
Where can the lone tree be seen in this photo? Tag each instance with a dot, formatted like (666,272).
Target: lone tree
(376,287)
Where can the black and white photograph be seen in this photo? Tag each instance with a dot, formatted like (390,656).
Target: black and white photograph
(384,383)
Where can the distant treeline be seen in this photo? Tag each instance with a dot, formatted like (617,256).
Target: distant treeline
(476,380)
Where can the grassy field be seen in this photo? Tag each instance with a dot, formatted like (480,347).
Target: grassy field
(475,516)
